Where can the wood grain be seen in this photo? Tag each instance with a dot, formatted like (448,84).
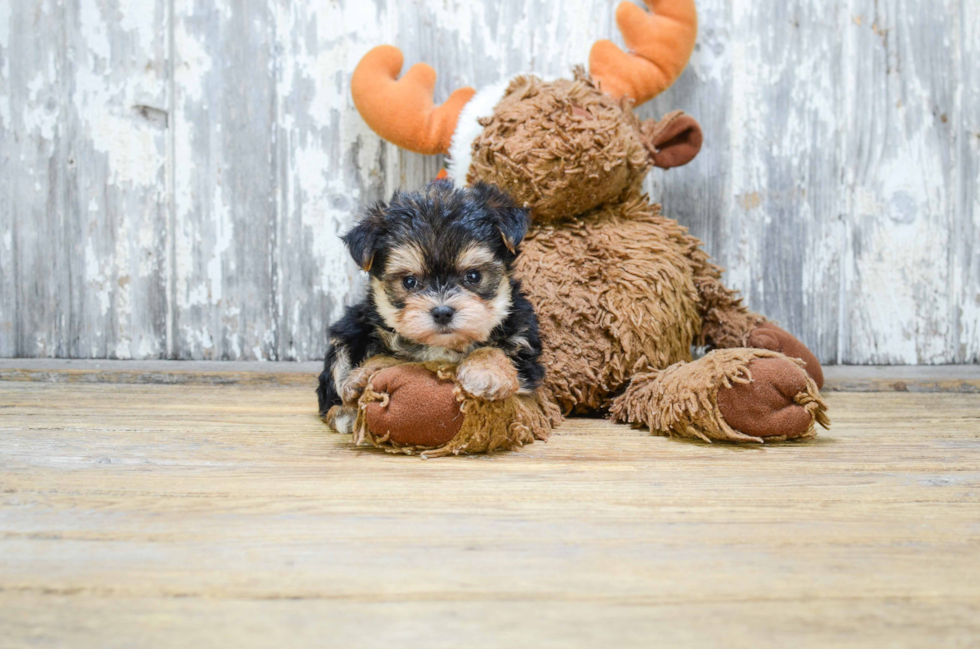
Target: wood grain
(204,515)
(175,172)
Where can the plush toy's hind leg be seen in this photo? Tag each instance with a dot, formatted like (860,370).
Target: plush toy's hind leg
(739,395)
(727,324)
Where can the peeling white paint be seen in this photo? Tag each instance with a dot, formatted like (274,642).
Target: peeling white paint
(93,30)
(5,27)
(43,116)
(832,184)
(5,121)
(193,63)
(134,152)
(148,348)
(5,23)
(139,19)
(104,100)
(224,230)
(96,277)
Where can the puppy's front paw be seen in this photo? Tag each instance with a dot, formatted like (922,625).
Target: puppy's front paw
(353,386)
(488,373)
(341,419)
(352,389)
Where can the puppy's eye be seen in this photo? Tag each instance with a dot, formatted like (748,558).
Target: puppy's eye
(472,277)
(409,282)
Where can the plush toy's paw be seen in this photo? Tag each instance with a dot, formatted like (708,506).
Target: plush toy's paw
(732,395)
(769,336)
(775,404)
(422,408)
(417,408)
(488,374)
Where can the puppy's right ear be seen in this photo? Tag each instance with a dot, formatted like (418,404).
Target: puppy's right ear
(364,239)
(511,220)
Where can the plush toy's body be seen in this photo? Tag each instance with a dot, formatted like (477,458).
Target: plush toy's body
(621,291)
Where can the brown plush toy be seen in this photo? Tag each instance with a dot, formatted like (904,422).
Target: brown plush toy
(622,292)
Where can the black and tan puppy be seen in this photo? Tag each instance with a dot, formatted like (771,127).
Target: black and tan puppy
(441,289)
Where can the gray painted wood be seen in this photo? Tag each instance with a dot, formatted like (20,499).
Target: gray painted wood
(83,221)
(225,200)
(34,137)
(901,176)
(174,173)
(965,258)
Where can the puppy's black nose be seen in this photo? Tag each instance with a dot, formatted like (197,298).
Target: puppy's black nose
(443,315)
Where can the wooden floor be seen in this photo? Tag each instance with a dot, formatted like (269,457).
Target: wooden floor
(192,516)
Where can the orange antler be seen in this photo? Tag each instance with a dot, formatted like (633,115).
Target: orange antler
(661,42)
(402,111)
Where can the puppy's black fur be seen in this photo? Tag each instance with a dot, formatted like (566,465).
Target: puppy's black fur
(426,250)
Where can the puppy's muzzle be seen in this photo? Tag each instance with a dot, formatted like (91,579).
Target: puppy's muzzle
(442,315)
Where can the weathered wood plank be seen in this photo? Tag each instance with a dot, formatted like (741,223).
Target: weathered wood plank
(199,515)
(781,241)
(35,123)
(226,178)
(84,211)
(900,77)
(8,281)
(965,261)
(330,164)
(116,201)
(941,621)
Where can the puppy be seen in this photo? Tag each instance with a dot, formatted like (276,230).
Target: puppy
(441,289)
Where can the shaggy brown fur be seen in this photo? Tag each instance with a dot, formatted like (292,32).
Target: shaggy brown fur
(487,426)
(559,148)
(620,291)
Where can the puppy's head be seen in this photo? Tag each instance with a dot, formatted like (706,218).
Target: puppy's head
(440,261)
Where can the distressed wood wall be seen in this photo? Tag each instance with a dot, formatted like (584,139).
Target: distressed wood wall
(174,173)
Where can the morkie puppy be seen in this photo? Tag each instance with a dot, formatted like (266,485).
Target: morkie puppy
(441,289)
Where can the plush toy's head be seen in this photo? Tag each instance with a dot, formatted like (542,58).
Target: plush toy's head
(559,147)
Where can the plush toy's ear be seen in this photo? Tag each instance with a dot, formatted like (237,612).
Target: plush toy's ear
(673,141)
(511,220)
(364,239)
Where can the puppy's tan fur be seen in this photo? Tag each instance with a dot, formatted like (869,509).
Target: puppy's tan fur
(475,318)
(405,260)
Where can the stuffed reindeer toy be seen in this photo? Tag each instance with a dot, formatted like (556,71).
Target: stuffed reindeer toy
(622,292)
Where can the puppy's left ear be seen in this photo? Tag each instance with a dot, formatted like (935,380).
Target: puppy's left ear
(511,220)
